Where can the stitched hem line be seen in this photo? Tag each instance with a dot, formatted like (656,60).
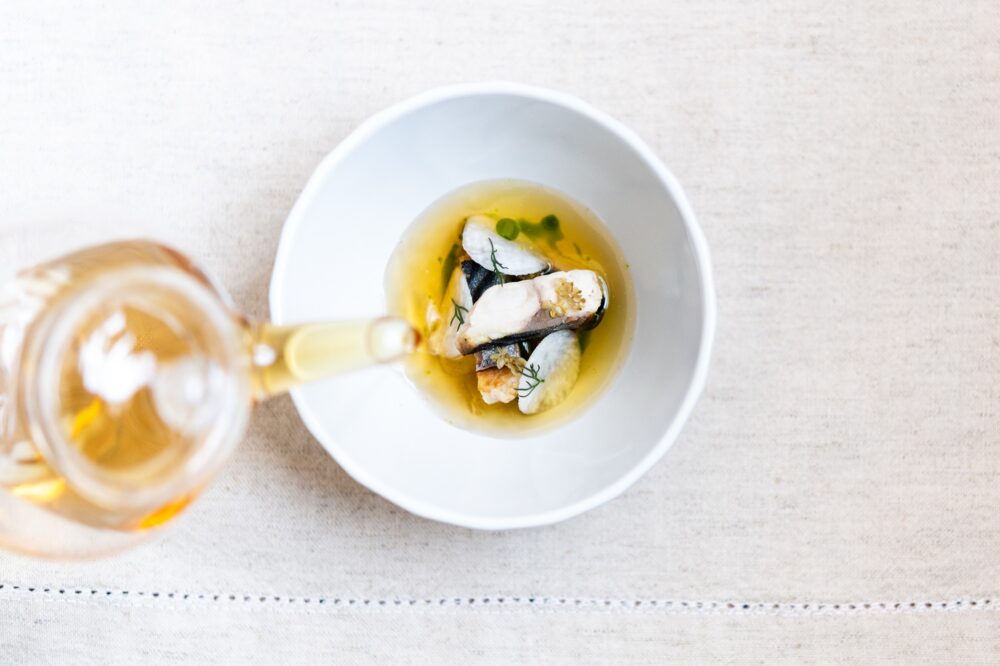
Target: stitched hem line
(492,603)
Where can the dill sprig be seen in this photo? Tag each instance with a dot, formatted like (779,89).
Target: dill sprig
(496,264)
(534,380)
(459,314)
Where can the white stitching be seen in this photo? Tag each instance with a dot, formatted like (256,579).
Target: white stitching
(500,603)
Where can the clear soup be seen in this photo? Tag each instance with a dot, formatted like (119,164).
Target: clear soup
(423,261)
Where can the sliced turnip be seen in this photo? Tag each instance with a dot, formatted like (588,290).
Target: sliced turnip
(452,315)
(495,253)
(550,373)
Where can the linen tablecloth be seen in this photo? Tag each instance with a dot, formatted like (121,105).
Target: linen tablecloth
(834,496)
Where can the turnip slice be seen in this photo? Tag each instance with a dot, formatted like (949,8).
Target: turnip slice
(550,373)
(495,253)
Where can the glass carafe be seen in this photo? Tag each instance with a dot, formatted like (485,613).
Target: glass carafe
(126,379)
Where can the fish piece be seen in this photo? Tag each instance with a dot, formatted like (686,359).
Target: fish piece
(478,278)
(498,384)
(500,356)
(532,308)
(486,246)
(550,373)
(450,317)
(498,371)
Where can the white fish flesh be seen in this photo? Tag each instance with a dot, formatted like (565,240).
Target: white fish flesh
(532,308)
(550,373)
(498,384)
(449,318)
(481,240)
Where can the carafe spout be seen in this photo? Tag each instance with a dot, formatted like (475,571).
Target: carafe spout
(284,356)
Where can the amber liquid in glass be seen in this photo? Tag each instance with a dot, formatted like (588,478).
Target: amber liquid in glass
(134,380)
(126,380)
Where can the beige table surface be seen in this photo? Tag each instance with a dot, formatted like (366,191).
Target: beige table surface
(834,497)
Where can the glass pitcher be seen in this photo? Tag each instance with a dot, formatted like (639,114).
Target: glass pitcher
(126,380)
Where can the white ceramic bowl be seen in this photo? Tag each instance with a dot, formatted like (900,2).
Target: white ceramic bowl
(342,230)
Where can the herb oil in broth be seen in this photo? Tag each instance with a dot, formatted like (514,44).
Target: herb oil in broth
(569,236)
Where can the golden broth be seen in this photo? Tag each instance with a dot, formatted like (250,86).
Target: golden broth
(421,264)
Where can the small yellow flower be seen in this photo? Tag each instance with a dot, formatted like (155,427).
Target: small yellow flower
(568,298)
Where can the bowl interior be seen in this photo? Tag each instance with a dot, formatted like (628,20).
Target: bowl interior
(342,231)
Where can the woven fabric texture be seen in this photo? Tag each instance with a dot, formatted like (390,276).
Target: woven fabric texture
(844,161)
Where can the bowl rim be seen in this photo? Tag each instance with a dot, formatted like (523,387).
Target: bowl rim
(376,123)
